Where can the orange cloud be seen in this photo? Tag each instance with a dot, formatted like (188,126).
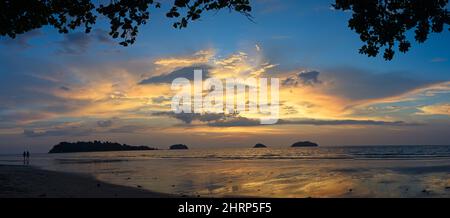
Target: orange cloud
(436,109)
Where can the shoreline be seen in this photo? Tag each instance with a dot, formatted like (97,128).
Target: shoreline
(17,181)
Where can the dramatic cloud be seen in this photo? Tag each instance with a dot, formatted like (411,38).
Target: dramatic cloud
(79,42)
(358,85)
(74,43)
(347,122)
(104,123)
(434,92)
(22,40)
(228,120)
(309,78)
(16,117)
(198,58)
(69,131)
(190,117)
(185,72)
(235,121)
(302,78)
(37,96)
(128,129)
(160,99)
(242,121)
(437,109)
(64,88)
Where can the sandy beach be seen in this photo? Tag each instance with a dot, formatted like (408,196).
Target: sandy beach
(32,182)
(401,171)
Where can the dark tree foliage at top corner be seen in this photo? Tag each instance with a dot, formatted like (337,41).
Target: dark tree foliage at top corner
(125,16)
(381,24)
(384,24)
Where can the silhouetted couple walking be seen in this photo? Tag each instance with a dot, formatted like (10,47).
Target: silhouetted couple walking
(26,157)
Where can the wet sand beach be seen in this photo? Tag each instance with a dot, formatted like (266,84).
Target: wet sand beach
(31,182)
(390,171)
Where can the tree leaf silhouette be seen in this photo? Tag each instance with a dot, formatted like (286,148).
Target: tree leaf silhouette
(125,16)
(383,24)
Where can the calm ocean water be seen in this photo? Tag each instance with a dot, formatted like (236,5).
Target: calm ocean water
(364,171)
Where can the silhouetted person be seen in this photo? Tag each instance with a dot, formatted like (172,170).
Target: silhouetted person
(26,157)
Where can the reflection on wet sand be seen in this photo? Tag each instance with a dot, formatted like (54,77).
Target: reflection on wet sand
(270,173)
(285,179)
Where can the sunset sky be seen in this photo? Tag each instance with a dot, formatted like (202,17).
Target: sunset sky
(74,87)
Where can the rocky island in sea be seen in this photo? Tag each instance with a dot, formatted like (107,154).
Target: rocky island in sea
(304,144)
(178,147)
(68,147)
(259,145)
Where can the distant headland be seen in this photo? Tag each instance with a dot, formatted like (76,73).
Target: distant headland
(69,147)
(304,144)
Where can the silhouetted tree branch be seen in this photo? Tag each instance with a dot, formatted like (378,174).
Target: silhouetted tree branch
(385,23)
(381,24)
(20,16)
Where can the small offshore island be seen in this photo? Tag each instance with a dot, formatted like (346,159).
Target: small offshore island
(95,146)
(178,147)
(304,144)
(259,145)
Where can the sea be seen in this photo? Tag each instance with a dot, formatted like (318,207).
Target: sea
(318,172)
